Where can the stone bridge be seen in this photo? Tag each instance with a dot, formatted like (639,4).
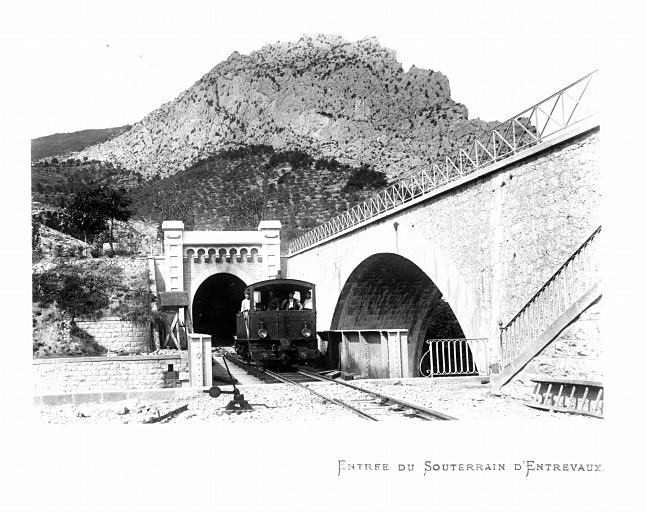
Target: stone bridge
(473,252)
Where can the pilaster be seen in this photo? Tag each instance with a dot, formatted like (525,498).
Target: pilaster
(173,241)
(271,250)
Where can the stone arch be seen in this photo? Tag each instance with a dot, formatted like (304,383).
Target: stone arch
(435,264)
(388,291)
(205,273)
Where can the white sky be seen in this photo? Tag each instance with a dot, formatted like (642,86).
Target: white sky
(107,63)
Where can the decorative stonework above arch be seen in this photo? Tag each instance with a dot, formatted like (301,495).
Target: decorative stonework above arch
(222,254)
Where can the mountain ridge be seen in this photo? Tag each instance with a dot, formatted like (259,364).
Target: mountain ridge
(322,94)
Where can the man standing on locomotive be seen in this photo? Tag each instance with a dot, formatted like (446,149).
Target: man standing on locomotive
(245,306)
(291,302)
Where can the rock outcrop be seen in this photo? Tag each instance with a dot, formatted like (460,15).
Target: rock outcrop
(321,94)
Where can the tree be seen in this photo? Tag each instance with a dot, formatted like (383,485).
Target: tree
(75,292)
(86,212)
(116,208)
(93,212)
(81,295)
(365,178)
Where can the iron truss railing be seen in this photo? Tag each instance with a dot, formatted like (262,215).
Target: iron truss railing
(565,287)
(457,356)
(540,123)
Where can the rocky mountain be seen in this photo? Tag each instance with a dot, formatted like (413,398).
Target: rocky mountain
(322,94)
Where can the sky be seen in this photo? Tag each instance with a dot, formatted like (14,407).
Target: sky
(102,64)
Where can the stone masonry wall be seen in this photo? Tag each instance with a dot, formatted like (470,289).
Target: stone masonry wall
(85,374)
(551,205)
(117,335)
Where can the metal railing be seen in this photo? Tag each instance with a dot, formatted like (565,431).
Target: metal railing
(541,122)
(565,287)
(459,356)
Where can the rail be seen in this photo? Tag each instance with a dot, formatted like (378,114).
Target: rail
(564,288)
(454,357)
(541,122)
(417,410)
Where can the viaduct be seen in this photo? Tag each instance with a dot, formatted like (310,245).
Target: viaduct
(453,251)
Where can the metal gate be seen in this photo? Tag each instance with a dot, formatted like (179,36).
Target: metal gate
(455,357)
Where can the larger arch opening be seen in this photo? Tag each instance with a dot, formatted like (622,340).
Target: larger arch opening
(215,305)
(388,291)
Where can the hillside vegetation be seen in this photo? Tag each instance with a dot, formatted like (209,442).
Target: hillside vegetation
(63,143)
(236,189)
(54,180)
(66,289)
(233,189)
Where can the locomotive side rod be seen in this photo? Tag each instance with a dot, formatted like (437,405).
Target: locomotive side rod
(422,411)
(326,398)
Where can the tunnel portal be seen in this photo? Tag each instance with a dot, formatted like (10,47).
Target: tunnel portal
(215,305)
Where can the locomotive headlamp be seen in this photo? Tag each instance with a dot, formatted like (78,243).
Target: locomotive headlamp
(262,332)
(306,332)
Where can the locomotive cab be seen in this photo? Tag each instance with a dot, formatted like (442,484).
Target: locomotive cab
(280,327)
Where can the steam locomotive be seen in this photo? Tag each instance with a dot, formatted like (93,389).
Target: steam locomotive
(280,327)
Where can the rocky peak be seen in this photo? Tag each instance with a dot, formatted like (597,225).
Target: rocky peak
(321,94)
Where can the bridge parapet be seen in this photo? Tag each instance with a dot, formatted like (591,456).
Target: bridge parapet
(573,106)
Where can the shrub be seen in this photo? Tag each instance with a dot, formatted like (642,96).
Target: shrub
(75,292)
(365,178)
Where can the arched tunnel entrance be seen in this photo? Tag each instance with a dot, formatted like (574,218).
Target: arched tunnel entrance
(215,305)
(389,291)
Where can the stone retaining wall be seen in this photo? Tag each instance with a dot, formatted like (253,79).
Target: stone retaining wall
(117,335)
(84,374)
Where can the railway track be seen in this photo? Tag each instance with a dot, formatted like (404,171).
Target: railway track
(369,405)
(268,377)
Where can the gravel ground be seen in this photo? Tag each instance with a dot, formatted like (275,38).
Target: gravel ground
(466,400)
